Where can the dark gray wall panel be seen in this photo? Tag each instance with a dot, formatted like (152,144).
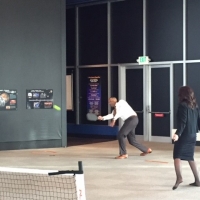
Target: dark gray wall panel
(93,34)
(193,71)
(165,30)
(31,58)
(193,29)
(178,82)
(126,30)
(34,144)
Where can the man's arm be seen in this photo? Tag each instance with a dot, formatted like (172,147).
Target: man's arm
(106,117)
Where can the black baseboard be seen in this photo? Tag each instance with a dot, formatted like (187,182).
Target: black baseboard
(30,144)
(80,139)
(111,137)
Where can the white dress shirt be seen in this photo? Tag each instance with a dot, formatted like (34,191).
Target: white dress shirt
(123,111)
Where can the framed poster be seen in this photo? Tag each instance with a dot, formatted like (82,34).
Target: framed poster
(39,99)
(8,100)
(69,92)
(94,95)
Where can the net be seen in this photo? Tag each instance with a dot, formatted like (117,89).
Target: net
(20,184)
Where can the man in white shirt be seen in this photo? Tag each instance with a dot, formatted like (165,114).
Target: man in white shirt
(4,98)
(124,111)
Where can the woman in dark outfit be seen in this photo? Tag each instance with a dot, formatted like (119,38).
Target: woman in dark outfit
(188,124)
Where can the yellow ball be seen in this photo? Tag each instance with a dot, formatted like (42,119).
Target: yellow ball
(56,107)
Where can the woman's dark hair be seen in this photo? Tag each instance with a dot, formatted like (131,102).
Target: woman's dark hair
(186,94)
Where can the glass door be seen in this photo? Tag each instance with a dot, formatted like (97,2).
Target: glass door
(159,108)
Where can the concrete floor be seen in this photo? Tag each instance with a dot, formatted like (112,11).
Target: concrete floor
(141,178)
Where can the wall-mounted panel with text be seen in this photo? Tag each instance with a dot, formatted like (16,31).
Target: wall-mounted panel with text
(39,99)
(8,100)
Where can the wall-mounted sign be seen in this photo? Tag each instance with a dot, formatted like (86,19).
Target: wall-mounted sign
(8,99)
(39,99)
(94,95)
(143,60)
(159,115)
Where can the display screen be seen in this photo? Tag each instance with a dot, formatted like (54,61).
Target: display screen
(8,99)
(39,99)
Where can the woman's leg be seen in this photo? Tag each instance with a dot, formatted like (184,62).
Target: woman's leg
(177,166)
(195,173)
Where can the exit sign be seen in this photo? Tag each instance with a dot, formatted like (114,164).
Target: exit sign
(143,60)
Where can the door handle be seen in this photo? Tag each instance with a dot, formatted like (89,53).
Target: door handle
(159,112)
(139,111)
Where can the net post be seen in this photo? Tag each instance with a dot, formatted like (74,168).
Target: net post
(80,182)
(80,166)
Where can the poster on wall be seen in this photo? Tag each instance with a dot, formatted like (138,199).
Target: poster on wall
(39,99)
(69,92)
(94,95)
(8,100)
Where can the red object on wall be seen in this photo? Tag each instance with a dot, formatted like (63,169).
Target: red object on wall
(159,115)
